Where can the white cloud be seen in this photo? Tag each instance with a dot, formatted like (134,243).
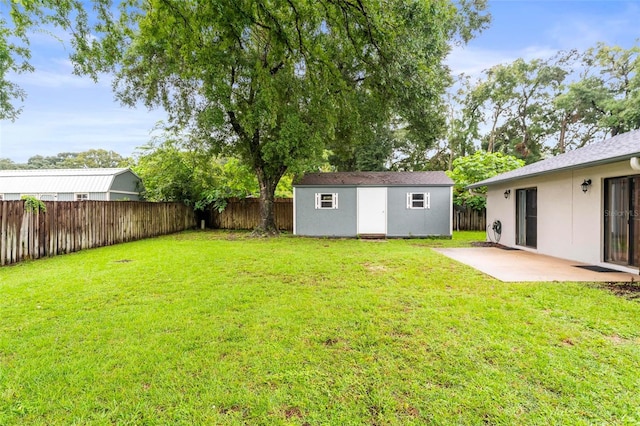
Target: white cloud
(56,78)
(581,31)
(473,60)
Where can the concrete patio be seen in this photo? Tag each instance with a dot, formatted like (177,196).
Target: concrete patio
(521,266)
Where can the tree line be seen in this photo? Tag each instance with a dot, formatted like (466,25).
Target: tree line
(92,158)
(545,106)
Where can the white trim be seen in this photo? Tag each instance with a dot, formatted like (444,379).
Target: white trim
(426,200)
(451,212)
(124,192)
(319,201)
(1,197)
(361,189)
(294,210)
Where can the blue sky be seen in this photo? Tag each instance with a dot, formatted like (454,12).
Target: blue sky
(65,113)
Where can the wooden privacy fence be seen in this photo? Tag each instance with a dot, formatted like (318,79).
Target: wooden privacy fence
(67,227)
(469,220)
(244,213)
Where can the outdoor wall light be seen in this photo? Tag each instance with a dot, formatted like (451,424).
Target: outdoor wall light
(507,193)
(585,185)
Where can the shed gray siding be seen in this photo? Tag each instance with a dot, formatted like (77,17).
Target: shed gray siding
(401,221)
(405,222)
(340,222)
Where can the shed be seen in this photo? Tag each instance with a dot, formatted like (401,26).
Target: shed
(381,204)
(71,184)
(583,205)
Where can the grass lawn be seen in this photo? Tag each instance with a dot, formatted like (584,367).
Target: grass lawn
(217,328)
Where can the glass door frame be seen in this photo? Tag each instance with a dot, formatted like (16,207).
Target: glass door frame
(629,193)
(526,231)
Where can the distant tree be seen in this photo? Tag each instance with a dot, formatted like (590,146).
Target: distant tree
(579,118)
(93,158)
(519,98)
(172,172)
(475,168)
(7,164)
(613,87)
(44,162)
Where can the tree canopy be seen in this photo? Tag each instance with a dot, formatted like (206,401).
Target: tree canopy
(475,168)
(171,172)
(546,106)
(275,83)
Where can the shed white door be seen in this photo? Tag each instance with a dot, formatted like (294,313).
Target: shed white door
(372,210)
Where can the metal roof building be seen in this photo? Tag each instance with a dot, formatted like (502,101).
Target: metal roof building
(71,184)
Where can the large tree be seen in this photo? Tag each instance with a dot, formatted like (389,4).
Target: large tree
(274,83)
(516,99)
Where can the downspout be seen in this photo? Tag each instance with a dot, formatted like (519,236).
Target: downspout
(634,162)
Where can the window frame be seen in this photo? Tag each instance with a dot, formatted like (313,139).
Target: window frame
(426,201)
(319,200)
(84,195)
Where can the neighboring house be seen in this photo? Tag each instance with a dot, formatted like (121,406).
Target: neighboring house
(382,204)
(70,184)
(583,205)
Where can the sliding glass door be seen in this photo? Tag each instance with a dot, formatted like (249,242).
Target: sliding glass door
(527,217)
(622,221)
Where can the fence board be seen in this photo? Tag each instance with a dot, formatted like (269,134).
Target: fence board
(245,214)
(66,227)
(469,220)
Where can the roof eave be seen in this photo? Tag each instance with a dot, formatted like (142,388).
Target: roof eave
(319,185)
(560,169)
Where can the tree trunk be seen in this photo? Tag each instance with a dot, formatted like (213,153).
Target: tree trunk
(267,218)
(563,130)
(268,185)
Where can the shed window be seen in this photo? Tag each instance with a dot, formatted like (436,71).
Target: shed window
(418,200)
(326,201)
(82,197)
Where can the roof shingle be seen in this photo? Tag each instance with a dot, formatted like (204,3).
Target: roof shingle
(376,178)
(618,148)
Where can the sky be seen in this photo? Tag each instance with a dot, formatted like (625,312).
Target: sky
(66,113)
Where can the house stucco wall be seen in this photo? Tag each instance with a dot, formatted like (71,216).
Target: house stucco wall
(570,222)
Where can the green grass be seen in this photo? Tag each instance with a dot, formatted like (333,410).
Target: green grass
(219,328)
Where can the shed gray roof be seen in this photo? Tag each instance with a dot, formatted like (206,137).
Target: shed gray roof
(376,178)
(54,181)
(618,148)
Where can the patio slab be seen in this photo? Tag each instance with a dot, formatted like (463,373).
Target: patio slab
(521,266)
